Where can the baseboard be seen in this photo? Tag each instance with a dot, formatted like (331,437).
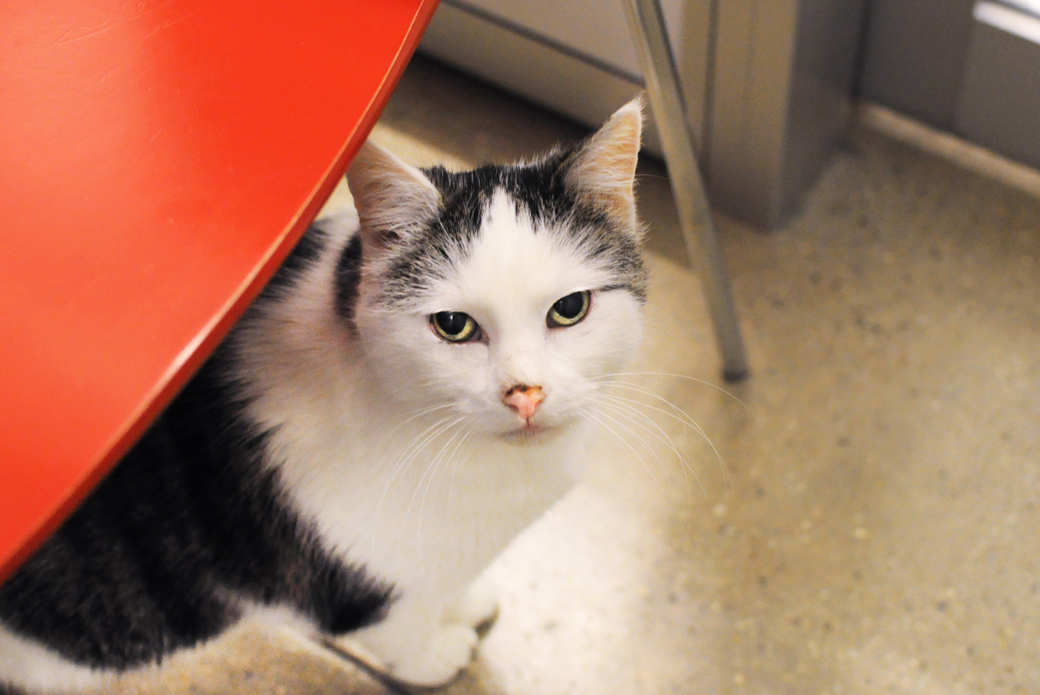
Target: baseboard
(950,147)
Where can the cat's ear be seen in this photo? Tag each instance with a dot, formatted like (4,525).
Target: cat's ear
(393,199)
(602,170)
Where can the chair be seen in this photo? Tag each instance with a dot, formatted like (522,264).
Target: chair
(647,25)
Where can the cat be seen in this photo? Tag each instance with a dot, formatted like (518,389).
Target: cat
(405,396)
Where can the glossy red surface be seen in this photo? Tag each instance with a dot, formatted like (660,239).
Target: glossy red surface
(158,159)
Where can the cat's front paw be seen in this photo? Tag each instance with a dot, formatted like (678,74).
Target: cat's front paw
(449,651)
(477,608)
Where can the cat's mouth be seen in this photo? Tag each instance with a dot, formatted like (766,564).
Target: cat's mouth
(523,430)
(527,430)
(533,431)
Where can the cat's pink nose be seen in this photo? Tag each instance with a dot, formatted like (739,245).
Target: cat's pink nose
(524,400)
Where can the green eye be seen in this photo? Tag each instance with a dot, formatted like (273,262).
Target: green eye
(569,310)
(454,326)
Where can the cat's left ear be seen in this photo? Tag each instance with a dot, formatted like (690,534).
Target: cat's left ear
(602,170)
(393,199)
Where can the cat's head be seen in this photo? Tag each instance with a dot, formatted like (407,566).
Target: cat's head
(506,293)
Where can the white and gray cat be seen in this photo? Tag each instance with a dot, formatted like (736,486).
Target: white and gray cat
(408,393)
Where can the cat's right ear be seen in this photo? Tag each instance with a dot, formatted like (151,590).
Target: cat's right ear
(602,170)
(392,198)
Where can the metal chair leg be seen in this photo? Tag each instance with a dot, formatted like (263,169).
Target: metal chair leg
(662,85)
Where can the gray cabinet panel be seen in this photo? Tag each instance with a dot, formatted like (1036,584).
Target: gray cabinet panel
(1000,101)
(915,56)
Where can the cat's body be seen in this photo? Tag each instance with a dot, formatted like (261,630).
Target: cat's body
(347,457)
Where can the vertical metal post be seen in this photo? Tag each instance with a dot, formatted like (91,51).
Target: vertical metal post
(662,85)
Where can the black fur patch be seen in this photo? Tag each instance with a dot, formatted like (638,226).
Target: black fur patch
(306,252)
(191,519)
(538,191)
(348,275)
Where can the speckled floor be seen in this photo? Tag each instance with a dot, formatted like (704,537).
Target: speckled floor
(871,522)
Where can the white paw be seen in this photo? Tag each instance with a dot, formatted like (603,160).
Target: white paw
(477,608)
(448,652)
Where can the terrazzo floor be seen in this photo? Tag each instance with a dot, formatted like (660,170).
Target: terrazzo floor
(869,523)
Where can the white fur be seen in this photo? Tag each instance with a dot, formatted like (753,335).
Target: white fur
(427,509)
(28,665)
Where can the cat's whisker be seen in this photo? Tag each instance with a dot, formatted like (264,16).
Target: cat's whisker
(682,417)
(394,467)
(611,377)
(420,413)
(676,413)
(615,411)
(412,457)
(426,441)
(629,404)
(416,445)
(457,460)
(622,410)
(432,469)
(590,412)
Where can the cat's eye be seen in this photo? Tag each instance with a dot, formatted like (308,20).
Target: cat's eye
(569,310)
(454,326)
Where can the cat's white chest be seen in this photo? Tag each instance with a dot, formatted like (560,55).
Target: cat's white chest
(426,502)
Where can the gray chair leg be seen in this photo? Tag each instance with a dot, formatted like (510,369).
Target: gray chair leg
(662,85)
